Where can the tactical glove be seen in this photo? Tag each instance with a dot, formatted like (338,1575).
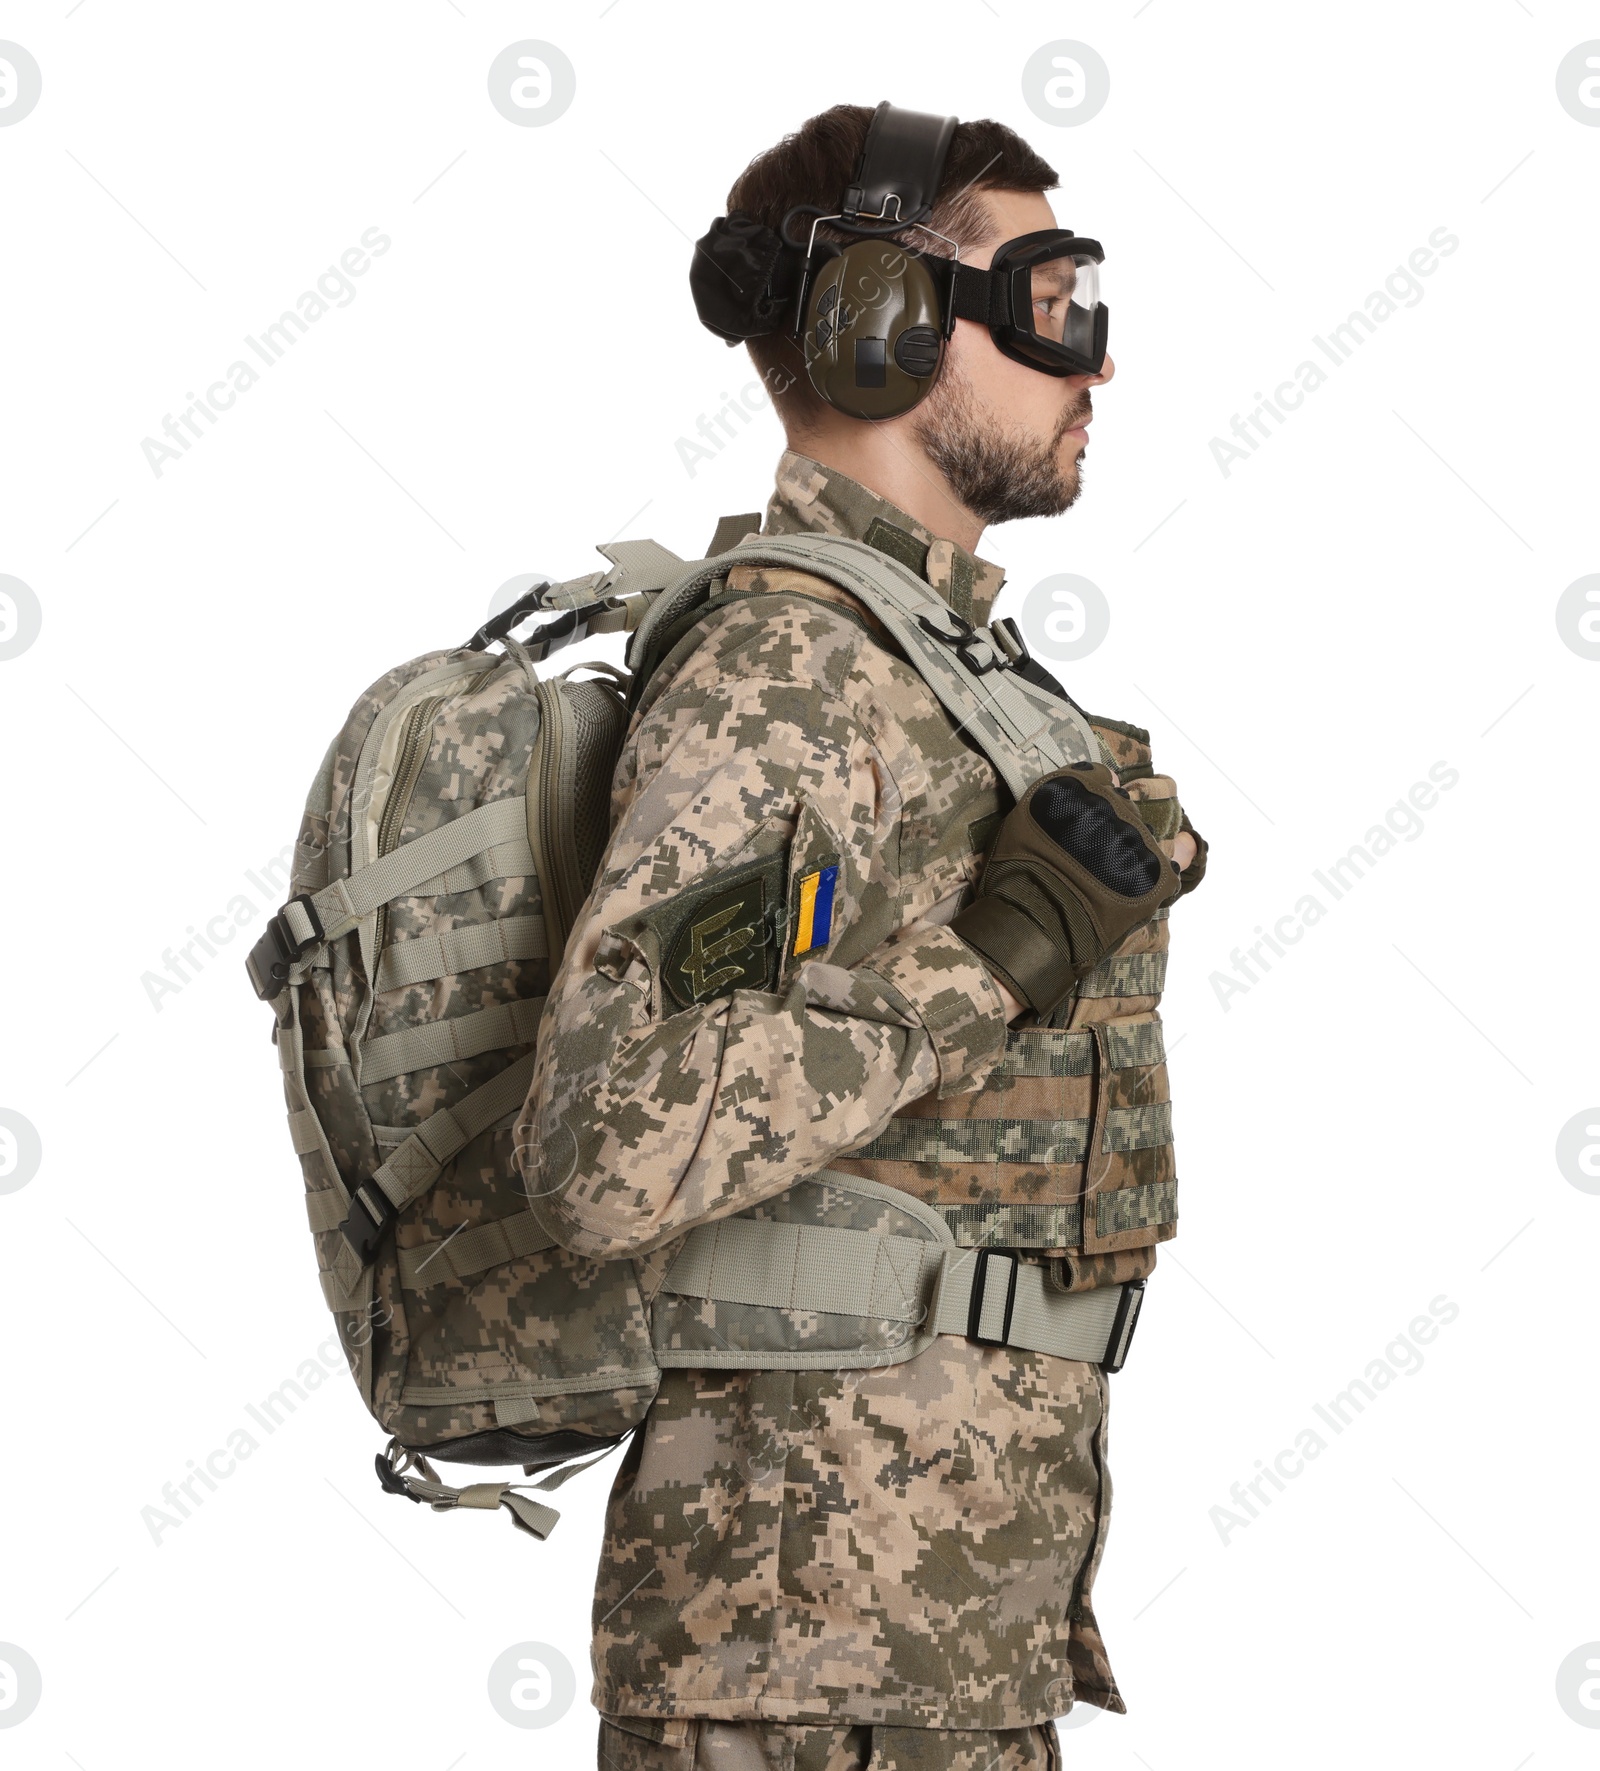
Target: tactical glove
(1072,869)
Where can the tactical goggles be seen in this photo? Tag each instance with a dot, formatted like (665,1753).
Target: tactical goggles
(1040,299)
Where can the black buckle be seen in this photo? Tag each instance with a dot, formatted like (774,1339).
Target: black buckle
(966,643)
(1122,1327)
(273,956)
(367,1221)
(566,627)
(980,1280)
(498,626)
(393,1482)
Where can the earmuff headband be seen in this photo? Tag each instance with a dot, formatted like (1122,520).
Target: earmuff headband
(902,163)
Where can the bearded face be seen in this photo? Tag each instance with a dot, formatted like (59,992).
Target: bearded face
(997,470)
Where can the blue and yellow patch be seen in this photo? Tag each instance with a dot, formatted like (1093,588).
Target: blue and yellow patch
(813,915)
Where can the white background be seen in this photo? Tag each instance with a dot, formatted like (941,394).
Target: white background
(1369,1127)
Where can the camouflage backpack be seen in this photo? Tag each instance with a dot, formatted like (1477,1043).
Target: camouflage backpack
(448,843)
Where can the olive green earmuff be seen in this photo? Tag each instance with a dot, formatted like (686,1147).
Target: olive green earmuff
(873,337)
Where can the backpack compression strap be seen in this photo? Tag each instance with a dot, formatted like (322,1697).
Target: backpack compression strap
(416,1164)
(307,923)
(395,1462)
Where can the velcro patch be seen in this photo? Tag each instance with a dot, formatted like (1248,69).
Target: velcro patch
(1155,798)
(818,904)
(980,832)
(722,934)
(812,912)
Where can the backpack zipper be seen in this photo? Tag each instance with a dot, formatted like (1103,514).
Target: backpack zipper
(414,747)
(413,752)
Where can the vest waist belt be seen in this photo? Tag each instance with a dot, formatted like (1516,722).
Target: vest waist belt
(987,1295)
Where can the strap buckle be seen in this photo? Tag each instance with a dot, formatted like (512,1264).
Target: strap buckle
(567,627)
(278,951)
(1122,1326)
(367,1222)
(498,626)
(980,1282)
(391,1463)
(1007,635)
(976,648)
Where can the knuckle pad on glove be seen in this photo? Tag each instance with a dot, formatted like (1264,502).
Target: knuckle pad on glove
(1082,824)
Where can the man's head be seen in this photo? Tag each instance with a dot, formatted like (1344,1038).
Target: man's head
(995,437)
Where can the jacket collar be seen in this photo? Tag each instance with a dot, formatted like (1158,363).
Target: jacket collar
(811,498)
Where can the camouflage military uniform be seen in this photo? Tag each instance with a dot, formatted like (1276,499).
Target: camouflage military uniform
(906,1551)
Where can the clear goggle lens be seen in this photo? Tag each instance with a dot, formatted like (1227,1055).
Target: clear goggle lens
(1065,294)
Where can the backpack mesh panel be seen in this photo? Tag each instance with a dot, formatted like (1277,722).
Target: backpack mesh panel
(599,720)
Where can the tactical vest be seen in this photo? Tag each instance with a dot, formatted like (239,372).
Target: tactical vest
(1067,1147)
(1068,1144)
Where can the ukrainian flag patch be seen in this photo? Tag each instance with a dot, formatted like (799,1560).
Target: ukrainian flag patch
(813,916)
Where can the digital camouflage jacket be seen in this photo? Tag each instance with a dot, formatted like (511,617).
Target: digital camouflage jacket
(914,1544)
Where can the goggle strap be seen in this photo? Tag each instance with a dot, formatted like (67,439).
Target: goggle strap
(979,295)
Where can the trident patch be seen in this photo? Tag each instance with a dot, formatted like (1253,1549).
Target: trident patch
(710,943)
(722,941)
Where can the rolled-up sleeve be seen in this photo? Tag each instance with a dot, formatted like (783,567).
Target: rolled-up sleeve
(712,1036)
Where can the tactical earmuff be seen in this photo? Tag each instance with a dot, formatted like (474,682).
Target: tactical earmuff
(872,315)
(873,335)
(869,315)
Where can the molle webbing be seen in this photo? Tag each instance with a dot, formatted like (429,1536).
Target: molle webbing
(426,864)
(426,957)
(1068,1144)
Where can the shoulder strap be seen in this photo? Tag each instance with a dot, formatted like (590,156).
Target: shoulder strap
(1022,728)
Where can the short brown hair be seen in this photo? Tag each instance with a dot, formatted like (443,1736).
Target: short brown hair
(814,165)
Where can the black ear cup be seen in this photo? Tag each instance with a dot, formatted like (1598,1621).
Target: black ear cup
(873,337)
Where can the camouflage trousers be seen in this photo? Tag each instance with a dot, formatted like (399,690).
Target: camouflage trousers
(913,1546)
(690,1744)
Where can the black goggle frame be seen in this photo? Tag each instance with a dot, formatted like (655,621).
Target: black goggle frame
(1001,298)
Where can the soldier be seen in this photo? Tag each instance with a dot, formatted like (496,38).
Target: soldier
(824,939)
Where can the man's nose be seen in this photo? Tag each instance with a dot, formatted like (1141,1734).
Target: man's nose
(1107,370)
